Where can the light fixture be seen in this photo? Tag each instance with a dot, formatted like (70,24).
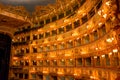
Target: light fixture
(70,40)
(110,53)
(38,57)
(109,40)
(66,20)
(96,48)
(95,56)
(100,24)
(99,12)
(15,58)
(108,3)
(78,38)
(62,60)
(75,33)
(84,14)
(71,59)
(103,56)
(76,19)
(105,16)
(115,50)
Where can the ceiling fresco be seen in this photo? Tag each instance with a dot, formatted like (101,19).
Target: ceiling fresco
(28,4)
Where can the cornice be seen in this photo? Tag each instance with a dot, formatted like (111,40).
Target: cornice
(20,12)
(7,30)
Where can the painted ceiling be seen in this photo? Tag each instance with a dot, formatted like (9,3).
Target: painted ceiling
(28,4)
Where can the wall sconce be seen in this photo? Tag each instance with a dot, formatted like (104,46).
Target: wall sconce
(110,53)
(115,50)
(108,3)
(95,56)
(103,56)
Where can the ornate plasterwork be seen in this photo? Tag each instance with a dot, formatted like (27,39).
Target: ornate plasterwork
(39,10)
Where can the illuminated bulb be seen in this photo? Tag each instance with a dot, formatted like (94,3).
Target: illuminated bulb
(59,72)
(100,12)
(112,38)
(108,3)
(78,38)
(52,26)
(70,40)
(105,15)
(110,53)
(96,48)
(103,56)
(92,77)
(87,26)
(76,19)
(95,56)
(12,40)
(115,50)
(66,20)
(100,24)
(109,40)
(25,57)
(15,58)
(93,30)
(60,38)
(39,30)
(83,52)
(84,14)
(79,12)
(48,45)
(71,59)
(75,34)
(38,57)
(45,71)
(75,74)
(85,34)
(62,60)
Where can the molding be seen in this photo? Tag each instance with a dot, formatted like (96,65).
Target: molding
(7,30)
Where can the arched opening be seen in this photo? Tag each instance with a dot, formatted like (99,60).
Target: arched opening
(5,47)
